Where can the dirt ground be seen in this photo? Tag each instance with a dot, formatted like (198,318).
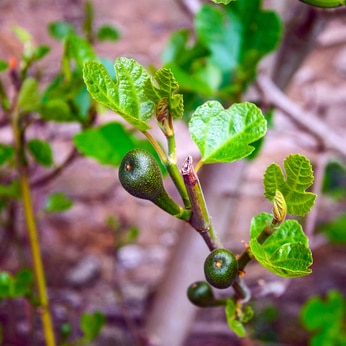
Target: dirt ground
(78,246)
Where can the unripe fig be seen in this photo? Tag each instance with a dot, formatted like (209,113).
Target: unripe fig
(221,268)
(140,175)
(325,3)
(201,294)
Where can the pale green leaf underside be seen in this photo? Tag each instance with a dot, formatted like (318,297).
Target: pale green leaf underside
(299,178)
(225,135)
(286,252)
(126,96)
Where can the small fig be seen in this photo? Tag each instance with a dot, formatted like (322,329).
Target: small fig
(221,268)
(140,175)
(201,294)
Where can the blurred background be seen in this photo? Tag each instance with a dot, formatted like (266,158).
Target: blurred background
(103,250)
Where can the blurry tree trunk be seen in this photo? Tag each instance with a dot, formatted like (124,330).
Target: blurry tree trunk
(171,316)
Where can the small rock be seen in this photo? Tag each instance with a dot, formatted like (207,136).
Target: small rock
(131,256)
(86,270)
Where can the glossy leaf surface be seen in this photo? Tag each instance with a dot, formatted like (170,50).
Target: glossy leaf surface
(125,96)
(286,252)
(299,177)
(225,135)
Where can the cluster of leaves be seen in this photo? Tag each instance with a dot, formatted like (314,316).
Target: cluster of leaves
(14,286)
(64,100)
(325,319)
(230,42)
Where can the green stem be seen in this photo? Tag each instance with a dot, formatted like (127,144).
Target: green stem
(200,219)
(32,231)
(166,203)
(246,256)
(170,163)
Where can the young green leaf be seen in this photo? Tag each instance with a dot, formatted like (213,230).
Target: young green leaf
(78,49)
(22,34)
(16,286)
(23,282)
(325,318)
(57,202)
(57,110)
(6,152)
(125,97)
(29,96)
(11,190)
(5,285)
(60,29)
(225,135)
(286,252)
(91,324)
(167,87)
(233,323)
(299,177)
(107,33)
(41,152)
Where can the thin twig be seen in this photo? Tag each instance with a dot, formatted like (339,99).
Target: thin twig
(305,119)
(50,176)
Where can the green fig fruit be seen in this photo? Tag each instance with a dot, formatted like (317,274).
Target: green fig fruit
(201,294)
(221,268)
(325,3)
(140,175)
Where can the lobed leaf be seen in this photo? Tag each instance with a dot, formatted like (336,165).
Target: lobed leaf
(286,252)
(126,96)
(225,135)
(299,178)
